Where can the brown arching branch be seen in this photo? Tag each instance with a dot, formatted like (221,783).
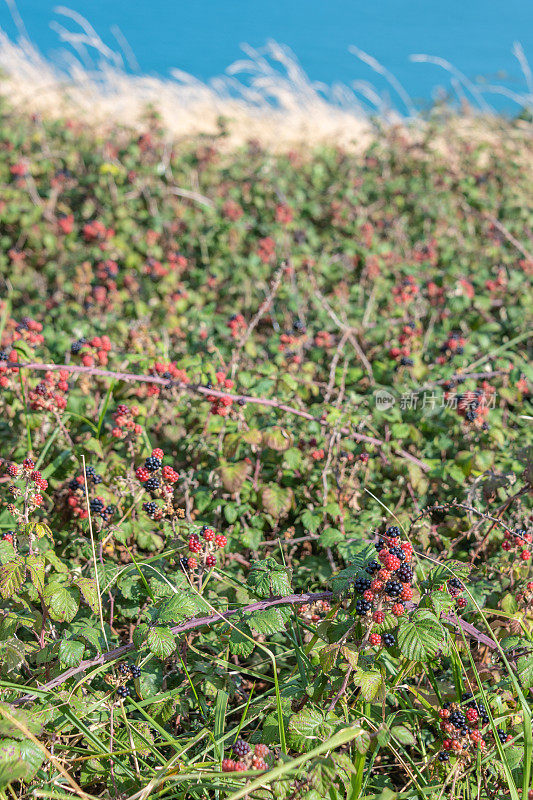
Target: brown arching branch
(199,622)
(191,624)
(204,391)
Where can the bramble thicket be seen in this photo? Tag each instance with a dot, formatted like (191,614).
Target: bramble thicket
(265,464)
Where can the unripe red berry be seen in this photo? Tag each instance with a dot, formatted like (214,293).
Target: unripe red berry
(378,617)
(375,639)
(407,593)
(392,562)
(210,561)
(209,535)
(398,609)
(157,453)
(368,595)
(192,563)
(142,474)
(228,765)
(195,545)
(169,475)
(471,714)
(456,745)
(377,586)
(220,540)
(444,713)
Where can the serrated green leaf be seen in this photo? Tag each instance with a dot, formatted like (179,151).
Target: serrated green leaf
(351,655)
(239,641)
(371,684)
(161,641)
(12,577)
(12,767)
(439,601)
(269,621)
(524,669)
(402,734)
(423,638)
(12,655)
(62,601)
(180,606)
(276,500)
(71,652)
(269,579)
(35,565)
(328,657)
(89,592)
(30,721)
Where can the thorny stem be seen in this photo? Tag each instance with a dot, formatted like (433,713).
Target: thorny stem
(198,622)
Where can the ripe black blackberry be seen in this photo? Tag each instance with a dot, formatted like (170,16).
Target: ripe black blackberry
(404,573)
(241,748)
(361,585)
(97,479)
(393,588)
(398,552)
(152,463)
(150,508)
(388,640)
(108,512)
(470,415)
(372,566)
(455,583)
(362,607)
(184,563)
(466,696)
(458,719)
(502,736)
(73,485)
(152,485)
(443,756)
(393,531)
(123,692)
(406,362)
(75,347)
(380,544)
(123,668)
(96,505)
(135,671)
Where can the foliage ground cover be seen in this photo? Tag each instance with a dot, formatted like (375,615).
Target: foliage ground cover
(265,465)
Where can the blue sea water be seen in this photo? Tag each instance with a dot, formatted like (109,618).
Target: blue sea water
(203,37)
